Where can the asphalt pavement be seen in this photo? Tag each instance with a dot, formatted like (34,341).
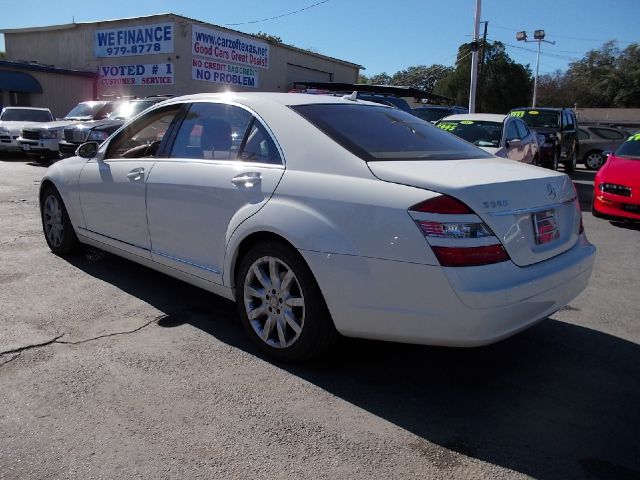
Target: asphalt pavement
(111,370)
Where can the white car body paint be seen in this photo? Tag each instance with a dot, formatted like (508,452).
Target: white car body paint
(349,220)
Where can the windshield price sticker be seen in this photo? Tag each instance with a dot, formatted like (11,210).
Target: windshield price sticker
(634,138)
(518,113)
(466,122)
(447,126)
(135,40)
(533,112)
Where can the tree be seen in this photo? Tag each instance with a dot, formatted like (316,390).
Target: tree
(421,76)
(362,78)
(504,84)
(268,37)
(3,55)
(380,79)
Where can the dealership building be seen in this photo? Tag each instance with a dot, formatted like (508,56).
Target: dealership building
(58,66)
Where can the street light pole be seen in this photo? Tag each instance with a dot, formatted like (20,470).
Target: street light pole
(474,60)
(538,36)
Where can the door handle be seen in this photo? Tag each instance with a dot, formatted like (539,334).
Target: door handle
(247,180)
(136,174)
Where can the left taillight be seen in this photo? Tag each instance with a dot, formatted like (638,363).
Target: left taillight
(457,236)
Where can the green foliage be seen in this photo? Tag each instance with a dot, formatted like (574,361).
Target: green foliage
(270,38)
(606,77)
(503,84)
(421,76)
(380,79)
(3,55)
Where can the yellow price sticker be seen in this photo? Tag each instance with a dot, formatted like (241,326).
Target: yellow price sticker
(466,122)
(533,112)
(634,138)
(447,127)
(518,114)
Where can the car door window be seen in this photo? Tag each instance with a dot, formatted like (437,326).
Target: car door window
(608,133)
(512,131)
(211,131)
(259,146)
(143,137)
(582,135)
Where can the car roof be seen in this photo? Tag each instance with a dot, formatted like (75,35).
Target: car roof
(260,98)
(27,108)
(544,109)
(481,117)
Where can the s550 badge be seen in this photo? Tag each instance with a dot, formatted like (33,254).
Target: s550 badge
(495,203)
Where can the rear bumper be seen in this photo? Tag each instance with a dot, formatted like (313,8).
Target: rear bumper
(462,307)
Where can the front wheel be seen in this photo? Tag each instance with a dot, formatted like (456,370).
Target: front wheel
(280,303)
(570,165)
(56,224)
(594,160)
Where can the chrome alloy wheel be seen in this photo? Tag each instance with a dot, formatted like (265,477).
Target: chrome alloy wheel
(594,160)
(274,302)
(52,219)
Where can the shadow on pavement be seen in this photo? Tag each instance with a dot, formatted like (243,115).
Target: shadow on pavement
(558,401)
(583,181)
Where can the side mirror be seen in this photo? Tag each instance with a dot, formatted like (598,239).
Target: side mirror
(88,150)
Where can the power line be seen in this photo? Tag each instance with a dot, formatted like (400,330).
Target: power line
(277,16)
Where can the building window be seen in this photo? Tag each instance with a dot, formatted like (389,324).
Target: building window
(19,99)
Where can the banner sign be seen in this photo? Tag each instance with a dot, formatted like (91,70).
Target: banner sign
(136,40)
(224,73)
(148,74)
(228,47)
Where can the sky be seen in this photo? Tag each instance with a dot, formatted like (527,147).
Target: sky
(380,36)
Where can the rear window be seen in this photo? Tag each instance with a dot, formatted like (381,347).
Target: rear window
(630,148)
(25,115)
(479,132)
(382,133)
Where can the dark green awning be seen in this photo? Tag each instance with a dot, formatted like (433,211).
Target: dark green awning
(19,82)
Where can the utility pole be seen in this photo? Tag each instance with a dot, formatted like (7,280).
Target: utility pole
(481,69)
(474,59)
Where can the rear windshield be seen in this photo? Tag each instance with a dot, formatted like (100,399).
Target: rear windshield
(26,115)
(630,148)
(480,133)
(538,118)
(383,133)
(431,114)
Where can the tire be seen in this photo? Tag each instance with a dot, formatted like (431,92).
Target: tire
(570,165)
(593,160)
(280,304)
(553,164)
(56,225)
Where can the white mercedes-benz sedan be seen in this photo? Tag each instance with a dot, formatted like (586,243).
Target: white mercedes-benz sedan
(321,215)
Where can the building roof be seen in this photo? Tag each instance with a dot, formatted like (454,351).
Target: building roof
(68,26)
(38,67)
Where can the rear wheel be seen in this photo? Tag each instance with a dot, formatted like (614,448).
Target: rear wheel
(594,160)
(56,224)
(553,162)
(570,164)
(280,303)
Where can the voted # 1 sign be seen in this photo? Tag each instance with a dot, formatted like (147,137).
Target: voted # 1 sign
(141,74)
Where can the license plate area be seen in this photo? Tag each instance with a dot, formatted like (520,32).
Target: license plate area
(545,226)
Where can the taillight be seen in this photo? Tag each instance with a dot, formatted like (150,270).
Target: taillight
(457,236)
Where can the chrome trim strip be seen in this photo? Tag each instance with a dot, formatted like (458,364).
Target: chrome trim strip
(531,210)
(208,269)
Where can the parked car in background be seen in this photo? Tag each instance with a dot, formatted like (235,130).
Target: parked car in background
(98,130)
(42,140)
(433,113)
(501,135)
(14,119)
(616,189)
(319,213)
(558,129)
(593,140)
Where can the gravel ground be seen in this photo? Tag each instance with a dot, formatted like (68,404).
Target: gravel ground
(111,370)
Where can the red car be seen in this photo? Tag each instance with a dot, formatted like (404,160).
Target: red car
(616,194)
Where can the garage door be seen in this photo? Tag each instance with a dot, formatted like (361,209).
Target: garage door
(296,73)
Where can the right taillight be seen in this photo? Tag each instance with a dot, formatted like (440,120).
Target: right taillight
(457,236)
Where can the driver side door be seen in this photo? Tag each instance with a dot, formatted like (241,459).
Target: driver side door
(113,189)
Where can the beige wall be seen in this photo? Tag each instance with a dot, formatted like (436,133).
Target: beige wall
(72,48)
(608,114)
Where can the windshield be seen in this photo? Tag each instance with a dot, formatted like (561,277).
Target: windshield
(480,133)
(125,110)
(431,114)
(86,109)
(26,115)
(630,148)
(538,118)
(382,133)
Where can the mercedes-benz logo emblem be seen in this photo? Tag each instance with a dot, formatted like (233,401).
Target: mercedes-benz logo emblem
(551,192)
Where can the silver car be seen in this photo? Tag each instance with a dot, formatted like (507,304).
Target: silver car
(593,140)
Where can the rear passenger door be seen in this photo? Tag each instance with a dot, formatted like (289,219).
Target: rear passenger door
(222,167)
(513,142)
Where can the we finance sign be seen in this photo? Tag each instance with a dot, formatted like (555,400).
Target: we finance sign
(228,47)
(134,40)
